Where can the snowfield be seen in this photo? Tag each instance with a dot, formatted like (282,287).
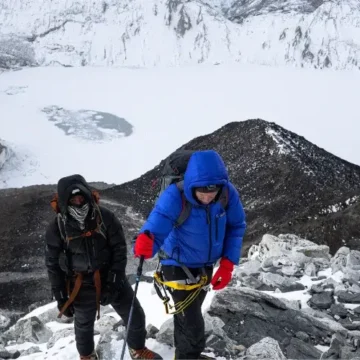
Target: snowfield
(113,125)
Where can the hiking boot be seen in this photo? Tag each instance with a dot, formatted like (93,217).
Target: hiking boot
(92,356)
(144,353)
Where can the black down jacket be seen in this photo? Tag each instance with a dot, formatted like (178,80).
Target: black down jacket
(69,251)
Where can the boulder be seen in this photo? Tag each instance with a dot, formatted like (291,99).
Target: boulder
(322,300)
(284,284)
(151,331)
(348,297)
(29,329)
(288,246)
(108,346)
(266,348)
(250,315)
(339,310)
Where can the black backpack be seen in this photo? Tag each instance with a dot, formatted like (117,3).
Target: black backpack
(173,173)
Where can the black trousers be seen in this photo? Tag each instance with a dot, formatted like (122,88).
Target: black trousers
(85,314)
(189,326)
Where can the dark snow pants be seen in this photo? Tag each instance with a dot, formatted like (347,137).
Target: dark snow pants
(85,313)
(189,326)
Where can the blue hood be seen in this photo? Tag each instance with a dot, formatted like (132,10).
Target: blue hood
(204,168)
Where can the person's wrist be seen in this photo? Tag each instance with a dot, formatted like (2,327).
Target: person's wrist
(227,264)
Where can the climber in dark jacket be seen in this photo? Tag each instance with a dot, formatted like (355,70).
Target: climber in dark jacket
(210,233)
(86,257)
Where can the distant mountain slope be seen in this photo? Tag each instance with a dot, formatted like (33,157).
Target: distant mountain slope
(304,33)
(287,184)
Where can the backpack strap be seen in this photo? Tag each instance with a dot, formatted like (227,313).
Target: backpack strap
(185,211)
(61,226)
(180,185)
(62,231)
(224,198)
(101,229)
(185,206)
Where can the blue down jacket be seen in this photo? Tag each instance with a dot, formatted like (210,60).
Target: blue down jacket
(210,232)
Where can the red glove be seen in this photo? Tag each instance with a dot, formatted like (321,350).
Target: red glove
(223,275)
(144,245)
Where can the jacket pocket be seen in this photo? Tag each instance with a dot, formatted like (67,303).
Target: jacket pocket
(219,220)
(102,259)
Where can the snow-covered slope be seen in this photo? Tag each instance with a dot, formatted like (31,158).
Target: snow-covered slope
(4,155)
(306,33)
(51,117)
(131,33)
(171,32)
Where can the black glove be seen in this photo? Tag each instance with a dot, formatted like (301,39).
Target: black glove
(106,296)
(69,312)
(113,286)
(117,280)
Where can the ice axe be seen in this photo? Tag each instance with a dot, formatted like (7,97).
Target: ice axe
(137,281)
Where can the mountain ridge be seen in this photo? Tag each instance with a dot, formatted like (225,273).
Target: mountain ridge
(265,174)
(312,34)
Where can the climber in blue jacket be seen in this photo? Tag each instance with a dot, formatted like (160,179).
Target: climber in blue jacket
(213,231)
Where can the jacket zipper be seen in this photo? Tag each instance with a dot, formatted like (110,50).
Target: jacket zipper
(216,228)
(208,220)
(218,216)
(88,255)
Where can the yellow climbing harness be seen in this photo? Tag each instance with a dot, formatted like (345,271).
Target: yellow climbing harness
(161,284)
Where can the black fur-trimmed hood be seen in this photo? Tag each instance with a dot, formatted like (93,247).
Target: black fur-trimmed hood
(65,187)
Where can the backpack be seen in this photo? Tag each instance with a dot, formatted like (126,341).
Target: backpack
(173,173)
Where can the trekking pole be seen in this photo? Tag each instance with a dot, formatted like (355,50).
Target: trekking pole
(137,280)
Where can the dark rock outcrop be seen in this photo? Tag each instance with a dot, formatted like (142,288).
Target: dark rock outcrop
(16,52)
(322,300)
(239,10)
(250,316)
(287,184)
